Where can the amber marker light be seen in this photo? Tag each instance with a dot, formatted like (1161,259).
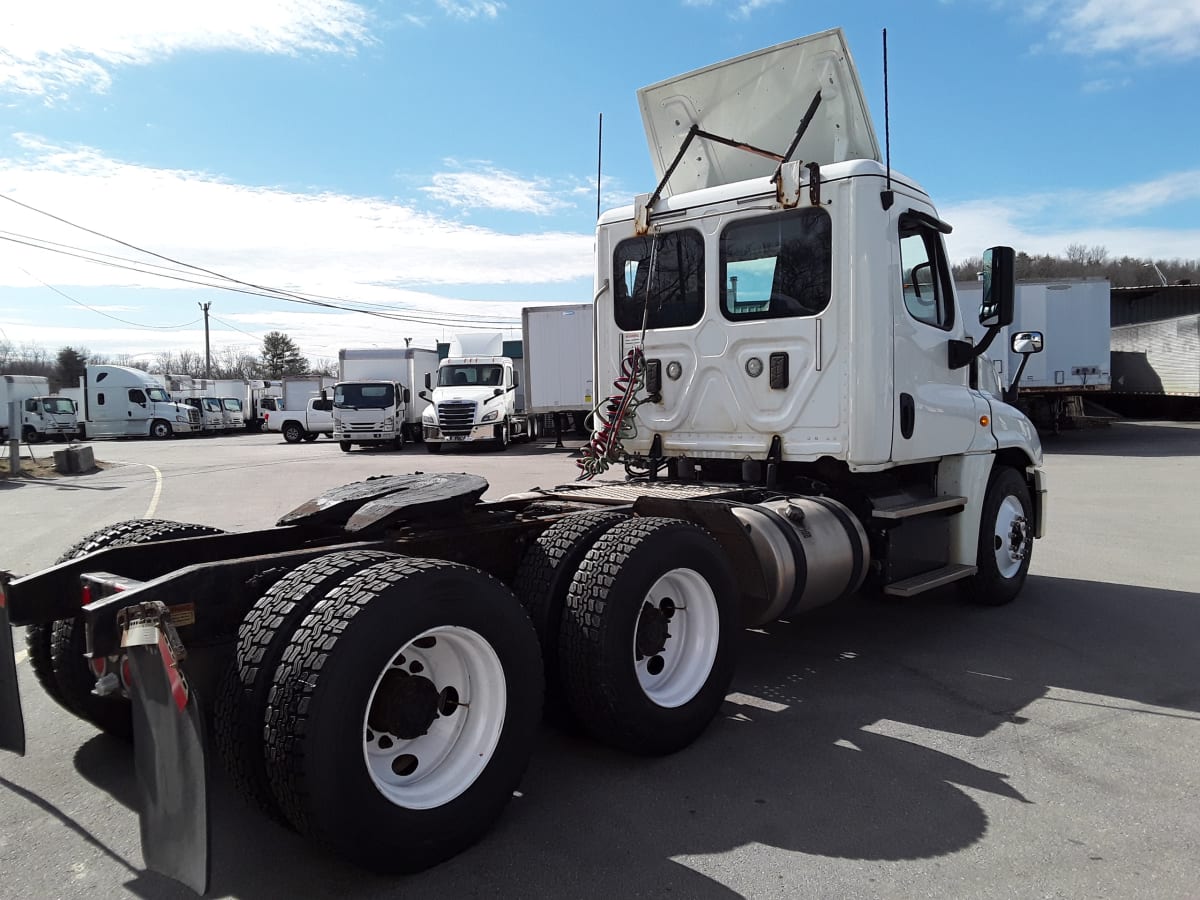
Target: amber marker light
(983,420)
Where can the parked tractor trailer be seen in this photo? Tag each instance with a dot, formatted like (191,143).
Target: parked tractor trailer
(794,406)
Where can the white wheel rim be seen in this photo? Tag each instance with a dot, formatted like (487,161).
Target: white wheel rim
(431,769)
(1011,536)
(676,673)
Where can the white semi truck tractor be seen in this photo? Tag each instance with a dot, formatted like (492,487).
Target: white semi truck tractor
(796,415)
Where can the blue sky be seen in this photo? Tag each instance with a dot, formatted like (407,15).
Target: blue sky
(437,158)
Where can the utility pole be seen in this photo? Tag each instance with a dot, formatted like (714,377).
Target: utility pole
(207,355)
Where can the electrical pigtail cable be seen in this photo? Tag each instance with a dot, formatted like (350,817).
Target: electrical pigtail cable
(616,415)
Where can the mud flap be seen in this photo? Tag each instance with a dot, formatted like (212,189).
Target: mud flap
(12,723)
(169,749)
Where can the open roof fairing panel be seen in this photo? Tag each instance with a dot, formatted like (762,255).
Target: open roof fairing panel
(759,99)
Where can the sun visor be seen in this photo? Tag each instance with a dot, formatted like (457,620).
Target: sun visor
(759,99)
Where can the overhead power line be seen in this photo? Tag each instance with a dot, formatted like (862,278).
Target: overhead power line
(101,312)
(261,290)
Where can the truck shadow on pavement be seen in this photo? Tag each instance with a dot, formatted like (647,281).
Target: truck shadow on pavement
(851,734)
(1132,439)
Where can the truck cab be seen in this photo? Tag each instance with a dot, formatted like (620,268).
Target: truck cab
(477,396)
(123,402)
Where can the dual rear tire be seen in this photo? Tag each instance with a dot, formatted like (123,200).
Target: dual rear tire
(385,708)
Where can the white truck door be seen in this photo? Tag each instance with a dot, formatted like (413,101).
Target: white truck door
(935,412)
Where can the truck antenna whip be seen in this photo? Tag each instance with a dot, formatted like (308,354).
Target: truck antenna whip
(887,197)
(599,160)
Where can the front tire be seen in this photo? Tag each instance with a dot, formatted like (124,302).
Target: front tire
(1005,540)
(160,429)
(311,436)
(345,445)
(502,436)
(647,641)
(405,713)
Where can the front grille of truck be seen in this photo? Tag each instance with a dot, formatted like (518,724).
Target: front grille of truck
(362,426)
(193,415)
(456,416)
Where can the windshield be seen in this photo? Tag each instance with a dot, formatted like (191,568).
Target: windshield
(158,395)
(212,404)
(470,375)
(233,404)
(58,405)
(364,396)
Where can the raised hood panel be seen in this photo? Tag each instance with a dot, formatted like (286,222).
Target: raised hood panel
(759,99)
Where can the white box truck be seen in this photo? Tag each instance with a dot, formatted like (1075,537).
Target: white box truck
(43,416)
(559,363)
(1074,315)
(815,429)
(375,401)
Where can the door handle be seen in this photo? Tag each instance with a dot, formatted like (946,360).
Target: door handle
(908,415)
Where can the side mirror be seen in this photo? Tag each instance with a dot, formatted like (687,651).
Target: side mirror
(423,395)
(997,306)
(428,382)
(407,396)
(1027,342)
(497,392)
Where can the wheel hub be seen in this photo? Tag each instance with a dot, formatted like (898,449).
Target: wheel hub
(1018,536)
(405,705)
(652,632)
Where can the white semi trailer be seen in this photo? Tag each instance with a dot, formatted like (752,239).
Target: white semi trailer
(800,415)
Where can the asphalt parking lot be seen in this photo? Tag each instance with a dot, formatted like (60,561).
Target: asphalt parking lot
(906,749)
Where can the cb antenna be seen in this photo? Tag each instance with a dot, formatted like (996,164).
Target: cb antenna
(887,197)
(599,160)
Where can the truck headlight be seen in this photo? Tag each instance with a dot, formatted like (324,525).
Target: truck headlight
(388,423)
(429,416)
(180,418)
(491,417)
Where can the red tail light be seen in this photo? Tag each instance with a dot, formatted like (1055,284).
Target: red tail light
(85,595)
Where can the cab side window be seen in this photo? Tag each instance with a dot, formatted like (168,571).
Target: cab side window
(323,405)
(31,406)
(136,396)
(925,274)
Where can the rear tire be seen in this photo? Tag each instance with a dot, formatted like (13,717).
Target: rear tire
(263,636)
(542,582)
(292,432)
(65,640)
(401,768)
(647,641)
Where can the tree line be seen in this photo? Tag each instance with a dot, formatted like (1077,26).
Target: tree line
(279,356)
(1081,261)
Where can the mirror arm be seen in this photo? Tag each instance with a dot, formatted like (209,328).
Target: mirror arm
(961,353)
(1010,395)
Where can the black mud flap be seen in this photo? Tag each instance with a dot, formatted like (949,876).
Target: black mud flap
(12,723)
(169,749)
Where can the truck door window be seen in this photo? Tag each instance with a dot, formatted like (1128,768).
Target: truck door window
(327,405)
(672,296)
(31,406)
(923,274)
(776,266)
(136,396)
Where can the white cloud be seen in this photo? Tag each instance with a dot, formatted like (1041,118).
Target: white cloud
(749,7)
(1151,29)
(359,248)
(471,9)
(488,187)
(49,49)
(1050,222)
(323,242)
